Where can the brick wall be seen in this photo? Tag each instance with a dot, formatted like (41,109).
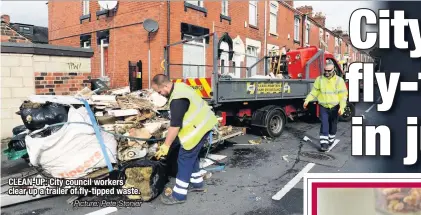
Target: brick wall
(61,75)
(23,75)
(10,35)
(128,39)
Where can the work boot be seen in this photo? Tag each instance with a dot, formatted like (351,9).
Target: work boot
(196,189)
(170,200)
(324,147)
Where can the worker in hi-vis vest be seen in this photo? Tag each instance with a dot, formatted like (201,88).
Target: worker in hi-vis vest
(191,121)
(331,93)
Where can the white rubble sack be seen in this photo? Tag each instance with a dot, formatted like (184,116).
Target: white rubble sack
(73,151)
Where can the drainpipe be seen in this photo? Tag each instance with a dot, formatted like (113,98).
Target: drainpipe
(168,33)
(265,43)
(303,29)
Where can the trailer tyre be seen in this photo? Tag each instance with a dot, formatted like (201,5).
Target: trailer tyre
(348,113)
(275,124)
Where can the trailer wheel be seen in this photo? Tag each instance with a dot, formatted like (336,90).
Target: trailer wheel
(275,124)
(348,113)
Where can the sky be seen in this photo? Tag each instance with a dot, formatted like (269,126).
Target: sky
(27,12)
(36,12)
(337,12)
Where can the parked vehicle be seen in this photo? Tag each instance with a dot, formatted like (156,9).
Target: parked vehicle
(264,103)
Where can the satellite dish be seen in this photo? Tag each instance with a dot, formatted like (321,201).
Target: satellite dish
(108,5)
(150,25)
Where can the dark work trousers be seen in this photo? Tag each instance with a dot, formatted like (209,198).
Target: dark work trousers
(329,118)
(188,170)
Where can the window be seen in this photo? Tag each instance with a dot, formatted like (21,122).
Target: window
(253,13)
(251,59)
(297,29)
(85,41)
(225,7)
(85,7)
(194,58)
(25,30)
(197,3)
(273,17)
(307,34)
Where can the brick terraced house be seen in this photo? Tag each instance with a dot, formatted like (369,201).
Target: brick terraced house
(256,28)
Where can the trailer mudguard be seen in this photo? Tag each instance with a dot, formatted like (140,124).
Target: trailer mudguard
(260,116)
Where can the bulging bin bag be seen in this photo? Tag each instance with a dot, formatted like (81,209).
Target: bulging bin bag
(73,151)
(146,175)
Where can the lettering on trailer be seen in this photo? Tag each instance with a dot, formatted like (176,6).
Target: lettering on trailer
(266,88)
(202,86)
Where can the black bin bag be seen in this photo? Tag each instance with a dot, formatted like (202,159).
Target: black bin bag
(148,176)
(18,129)
(35,116)
(17,142)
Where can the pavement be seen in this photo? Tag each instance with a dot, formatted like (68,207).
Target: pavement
(253,175)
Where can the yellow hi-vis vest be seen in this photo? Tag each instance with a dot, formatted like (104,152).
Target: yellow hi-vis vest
(199,118)
(329,92)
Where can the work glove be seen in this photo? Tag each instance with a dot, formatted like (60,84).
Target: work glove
(305,105)
(163,151)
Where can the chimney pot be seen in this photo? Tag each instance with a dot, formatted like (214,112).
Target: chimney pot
(5,18)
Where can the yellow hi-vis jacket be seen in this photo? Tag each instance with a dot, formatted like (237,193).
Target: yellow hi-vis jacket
(199,118)
(329,92)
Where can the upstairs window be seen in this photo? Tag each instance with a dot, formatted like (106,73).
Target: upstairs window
(85,7)
(225,7)
(197,3)
(307,34)
(297,29)
(273,17)
(253,13)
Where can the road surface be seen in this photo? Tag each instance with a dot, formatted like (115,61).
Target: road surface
(253,175)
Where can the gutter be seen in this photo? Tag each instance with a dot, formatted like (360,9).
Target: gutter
(168,31)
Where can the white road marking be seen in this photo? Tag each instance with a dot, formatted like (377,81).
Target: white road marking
(291,184)
(103,211)
(333,145)
(371,107)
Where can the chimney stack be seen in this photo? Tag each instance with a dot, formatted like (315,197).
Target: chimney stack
(320,18)
(338,31)
(307,10)
(290,3)
(5,18)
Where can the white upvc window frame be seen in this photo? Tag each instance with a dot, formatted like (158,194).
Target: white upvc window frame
(86,44)
(225,6)
(103,46)
(253,20)
(296,28)
(307,34)
(85,7)
(197,3)
(197,42)
(273,24)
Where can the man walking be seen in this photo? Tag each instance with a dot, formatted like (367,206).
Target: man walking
(331,93)
(192,121)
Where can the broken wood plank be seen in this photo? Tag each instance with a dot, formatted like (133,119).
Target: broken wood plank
(126,112)
(67,100)
(103,98)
